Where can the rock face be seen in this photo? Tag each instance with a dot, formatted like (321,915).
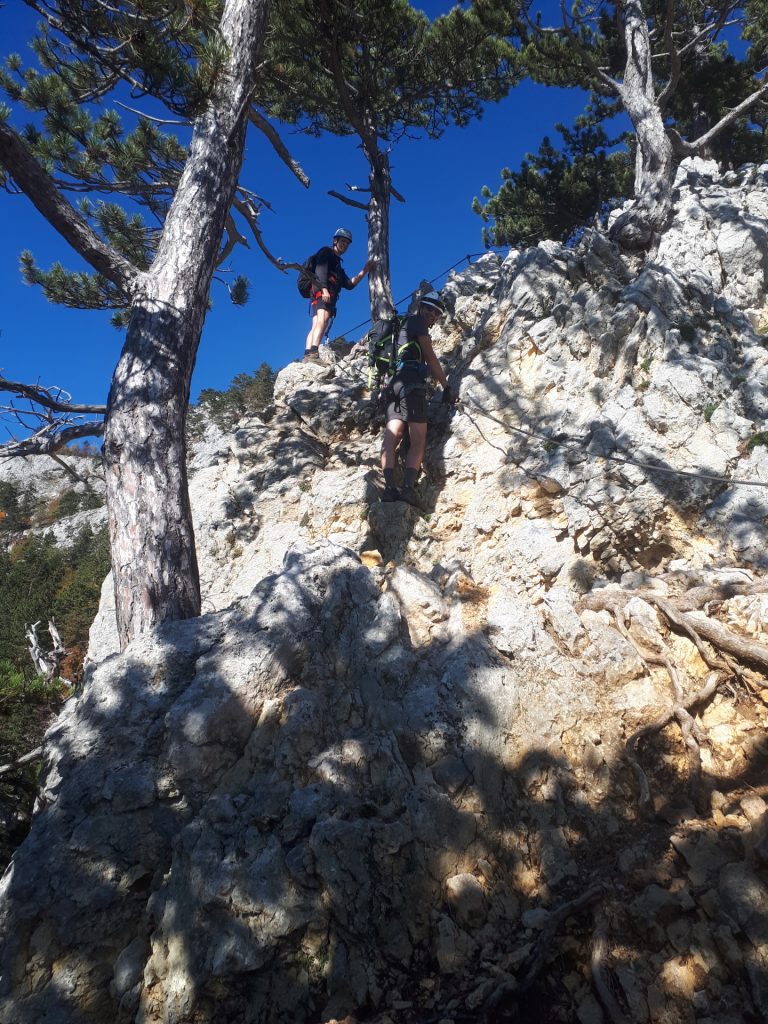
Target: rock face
(366,779)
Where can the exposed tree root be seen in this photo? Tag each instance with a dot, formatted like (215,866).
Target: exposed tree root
(503,1002)
(691,731)
(599,970)
(711,684)
(684,614)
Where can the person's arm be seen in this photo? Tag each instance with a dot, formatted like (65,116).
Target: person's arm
(352,282)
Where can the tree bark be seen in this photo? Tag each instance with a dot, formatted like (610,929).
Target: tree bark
(379,286)
(655,165)
(153,550)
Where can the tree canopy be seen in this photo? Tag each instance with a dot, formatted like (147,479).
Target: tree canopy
(558,190)
(688,75)
(384,72)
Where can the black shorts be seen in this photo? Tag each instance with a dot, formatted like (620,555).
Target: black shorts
(319,303)
(407,400)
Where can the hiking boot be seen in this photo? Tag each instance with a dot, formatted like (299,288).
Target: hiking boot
(409,495)
(311,356)
(390,494)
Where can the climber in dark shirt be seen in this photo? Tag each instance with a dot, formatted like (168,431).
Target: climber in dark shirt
(330,278)
(407,398)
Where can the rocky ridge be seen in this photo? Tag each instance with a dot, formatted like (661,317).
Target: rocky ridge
(387,774)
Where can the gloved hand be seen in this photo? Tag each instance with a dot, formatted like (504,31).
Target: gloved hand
(450,397)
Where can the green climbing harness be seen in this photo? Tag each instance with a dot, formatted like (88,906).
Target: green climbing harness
(385,355)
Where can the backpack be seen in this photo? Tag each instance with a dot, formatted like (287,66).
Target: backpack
(382,349)
(306,279)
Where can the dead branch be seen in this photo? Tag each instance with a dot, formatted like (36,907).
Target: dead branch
(46,665)
(278,145)
(49,397)
(348,201)
(69,469)
(17,762)
(247,208)
(234,237)
(149,117)
(359,188)
(52,420)
(49,439)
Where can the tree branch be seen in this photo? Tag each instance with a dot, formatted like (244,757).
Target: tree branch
(17,762)
(575,42)
(674,57)
(38,185)
(278,145)
(251,214)
(233,238)
(730,117)
(41,395)
(149,117)
(48,440)
(348,201)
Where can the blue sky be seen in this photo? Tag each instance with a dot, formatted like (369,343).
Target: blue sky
(435,227)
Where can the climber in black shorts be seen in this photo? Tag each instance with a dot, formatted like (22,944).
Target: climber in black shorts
(330,277)
(407,397)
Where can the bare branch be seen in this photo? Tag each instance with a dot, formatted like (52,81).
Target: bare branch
(37,184)
(149,117)
(247,208)
(233,238)
(46,665)
(713,29)
(69,469)
(348,201)
(278,145)
(17,762)
(730,117)
(45,397)
(46,442)
(674,57)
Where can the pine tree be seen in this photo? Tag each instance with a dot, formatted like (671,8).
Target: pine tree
(200,60)
(557,191)
(652,57)
(380,70)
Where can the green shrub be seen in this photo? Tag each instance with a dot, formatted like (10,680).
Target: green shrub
(68,503)
(758,439)
(17,508)
(27,706)
(248,392)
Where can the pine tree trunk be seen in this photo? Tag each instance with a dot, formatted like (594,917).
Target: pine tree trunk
(379,282)
(655,165)
(152,540)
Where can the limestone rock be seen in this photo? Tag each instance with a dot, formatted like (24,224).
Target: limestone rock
(363,781)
